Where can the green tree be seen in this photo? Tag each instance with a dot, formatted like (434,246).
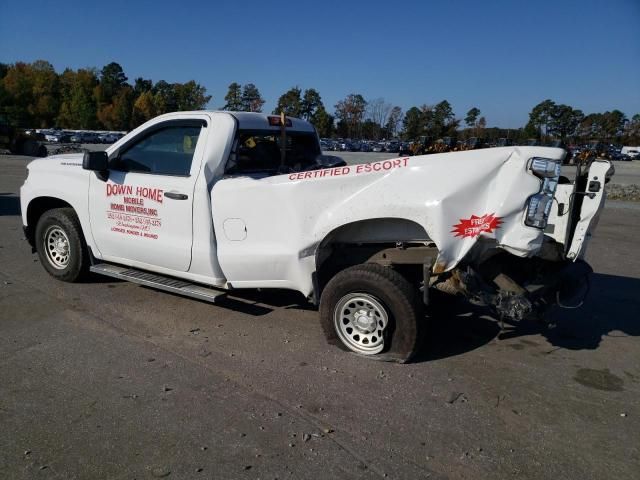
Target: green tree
(391,128)
(46,93)
(413,124)
(370,130)
(351,112)
(632,133)
(444,122)
(564,121)
(191,96)
(4,95)
(472,117)
(590,127)
(311,102)
(251,99)
(144,108)
(141,86)
(539,117)
(613,124)
(78,102)
(82,107)
(323,122)
(123,109)
(165,97)
(18,88)
(290,103)
(112,79)
(233,98)
(66,80)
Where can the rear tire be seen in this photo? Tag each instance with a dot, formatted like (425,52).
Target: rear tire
(61,246)
(373,311)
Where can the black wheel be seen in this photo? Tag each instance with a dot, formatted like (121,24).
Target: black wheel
(61,246)
(372,310)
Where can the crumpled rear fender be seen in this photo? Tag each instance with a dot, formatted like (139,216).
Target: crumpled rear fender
(459,199)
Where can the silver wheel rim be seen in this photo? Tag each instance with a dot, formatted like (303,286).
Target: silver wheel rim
(56,247)
(360,320)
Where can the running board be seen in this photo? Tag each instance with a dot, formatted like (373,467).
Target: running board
(160,282)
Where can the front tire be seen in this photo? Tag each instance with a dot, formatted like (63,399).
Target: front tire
(372,310)
(61,246)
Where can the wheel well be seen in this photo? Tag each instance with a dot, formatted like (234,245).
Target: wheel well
(37,207)
(392,242)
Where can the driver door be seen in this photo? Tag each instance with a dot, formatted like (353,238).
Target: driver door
(142,214)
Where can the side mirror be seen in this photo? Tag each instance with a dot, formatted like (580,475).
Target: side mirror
(330,161)
(95,161)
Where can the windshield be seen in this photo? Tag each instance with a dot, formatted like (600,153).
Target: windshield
(259,151)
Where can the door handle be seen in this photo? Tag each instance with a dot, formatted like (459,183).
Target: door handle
(176,196)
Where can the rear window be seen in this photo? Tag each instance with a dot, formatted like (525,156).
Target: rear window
(259,151)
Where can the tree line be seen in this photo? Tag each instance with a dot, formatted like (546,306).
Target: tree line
(34,95)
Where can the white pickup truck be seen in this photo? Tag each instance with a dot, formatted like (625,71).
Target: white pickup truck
(200,203)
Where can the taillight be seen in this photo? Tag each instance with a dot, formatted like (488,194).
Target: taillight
(539,205)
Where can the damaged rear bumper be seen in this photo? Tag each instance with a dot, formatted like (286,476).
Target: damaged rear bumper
(566,287)
(516,297)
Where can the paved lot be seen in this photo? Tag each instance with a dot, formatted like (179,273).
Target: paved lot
(112,380)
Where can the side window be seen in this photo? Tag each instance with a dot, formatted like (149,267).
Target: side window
(167,151)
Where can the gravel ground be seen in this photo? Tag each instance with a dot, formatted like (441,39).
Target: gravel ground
(623,192)
(107,379)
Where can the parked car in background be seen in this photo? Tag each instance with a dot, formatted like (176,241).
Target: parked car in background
(345,146)
(393,147)
(87,137)
(504,142)
(109,137)
(58,136)
(474,142)
(90,137)
(355,146)
(51,136)
(630,151)
(405,149)
(76,138)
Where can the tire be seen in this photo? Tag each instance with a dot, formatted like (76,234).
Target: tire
(61,246)
(376,293)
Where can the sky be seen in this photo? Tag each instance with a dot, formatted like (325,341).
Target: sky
(503,57)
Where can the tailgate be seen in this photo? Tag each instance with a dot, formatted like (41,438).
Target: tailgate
(588,201)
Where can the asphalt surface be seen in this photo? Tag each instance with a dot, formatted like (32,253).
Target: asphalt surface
(112,380)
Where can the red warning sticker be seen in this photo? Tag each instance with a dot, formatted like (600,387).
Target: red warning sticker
(474,226)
